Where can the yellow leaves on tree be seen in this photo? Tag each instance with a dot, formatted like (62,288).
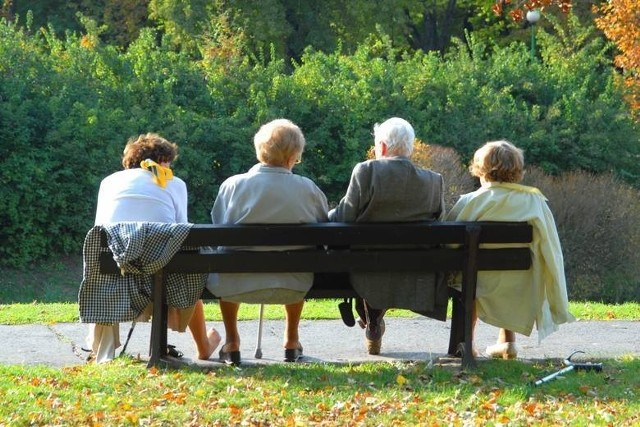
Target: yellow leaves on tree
(620,22)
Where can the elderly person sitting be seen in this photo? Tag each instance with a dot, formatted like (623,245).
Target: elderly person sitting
(147,191)
(391,188)
(515,300)
(268,193)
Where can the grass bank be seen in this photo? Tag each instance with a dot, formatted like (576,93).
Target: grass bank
(46,313)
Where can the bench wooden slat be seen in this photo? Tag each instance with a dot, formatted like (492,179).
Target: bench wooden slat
(437,259)
(340,234)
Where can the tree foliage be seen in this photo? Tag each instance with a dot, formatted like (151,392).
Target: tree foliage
(620,21)
(66,116)
(517,10)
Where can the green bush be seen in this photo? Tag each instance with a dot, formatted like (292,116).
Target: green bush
(65,117)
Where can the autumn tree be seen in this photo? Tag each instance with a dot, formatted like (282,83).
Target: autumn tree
(620,21)
(518,9)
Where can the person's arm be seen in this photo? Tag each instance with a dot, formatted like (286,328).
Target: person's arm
(349,207)
(322,206)
(181,201)
(455,211)
(219,209)
(101,205)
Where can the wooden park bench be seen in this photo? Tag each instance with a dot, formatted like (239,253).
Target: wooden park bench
(394,247)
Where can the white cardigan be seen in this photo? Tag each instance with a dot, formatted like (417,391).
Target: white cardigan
(132,195)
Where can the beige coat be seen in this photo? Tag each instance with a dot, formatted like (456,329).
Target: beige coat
(515,300)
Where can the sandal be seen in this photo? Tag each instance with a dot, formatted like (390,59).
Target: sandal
(293,354)
(505,350)
(229,357)
(171,351)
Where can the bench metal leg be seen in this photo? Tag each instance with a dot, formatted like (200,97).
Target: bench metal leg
(469,281)
(158,345)
(456,337)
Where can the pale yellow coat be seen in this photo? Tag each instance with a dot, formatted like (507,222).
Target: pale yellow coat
(515,300)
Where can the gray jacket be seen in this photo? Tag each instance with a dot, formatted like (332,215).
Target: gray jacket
(393,189)
(265,195)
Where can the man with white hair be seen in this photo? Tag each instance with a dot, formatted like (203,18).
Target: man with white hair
(390,188)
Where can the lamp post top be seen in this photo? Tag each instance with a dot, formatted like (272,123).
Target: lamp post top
(533,16)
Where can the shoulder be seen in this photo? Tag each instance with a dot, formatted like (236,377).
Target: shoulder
(367,167)
(428,173)
(177,185)
(305,183)
(234,180)
(119,175)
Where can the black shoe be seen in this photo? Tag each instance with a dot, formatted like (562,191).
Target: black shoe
(293,354)
(230,357)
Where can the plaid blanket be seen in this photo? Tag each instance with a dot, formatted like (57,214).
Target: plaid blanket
(140,249)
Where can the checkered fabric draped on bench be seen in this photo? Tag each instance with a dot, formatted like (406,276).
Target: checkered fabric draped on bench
(140,249)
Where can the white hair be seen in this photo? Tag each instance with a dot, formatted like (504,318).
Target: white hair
(397,134)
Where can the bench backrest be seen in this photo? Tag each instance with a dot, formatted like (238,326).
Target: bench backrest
(340,247)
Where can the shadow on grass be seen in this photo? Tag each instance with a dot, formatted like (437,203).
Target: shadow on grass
(45,282)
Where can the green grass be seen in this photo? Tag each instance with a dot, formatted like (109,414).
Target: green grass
(124,392)
(48,294)
(24,313)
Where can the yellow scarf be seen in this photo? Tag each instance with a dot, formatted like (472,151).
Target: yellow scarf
(161,174)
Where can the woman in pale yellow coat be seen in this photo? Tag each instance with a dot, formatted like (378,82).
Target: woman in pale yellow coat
(515,300)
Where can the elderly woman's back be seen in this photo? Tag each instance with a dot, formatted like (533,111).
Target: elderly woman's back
(515,300)
(268,193)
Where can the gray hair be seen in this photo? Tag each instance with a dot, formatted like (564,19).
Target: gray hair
(278,140)
(397,134)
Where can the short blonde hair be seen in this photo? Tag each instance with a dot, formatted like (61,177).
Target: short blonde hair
(277,141)
(498,161)
(148,146)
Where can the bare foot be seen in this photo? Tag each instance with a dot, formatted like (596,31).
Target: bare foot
(214,340)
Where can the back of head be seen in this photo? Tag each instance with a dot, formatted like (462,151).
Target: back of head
(498,161)
(148,146)
(276,141)
(397,134)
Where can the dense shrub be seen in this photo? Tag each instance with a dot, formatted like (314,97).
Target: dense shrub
(447,162)
(598,220)
(65,116)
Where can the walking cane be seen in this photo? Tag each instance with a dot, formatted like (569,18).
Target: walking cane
(570,366)
(126,343)
(258,354)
